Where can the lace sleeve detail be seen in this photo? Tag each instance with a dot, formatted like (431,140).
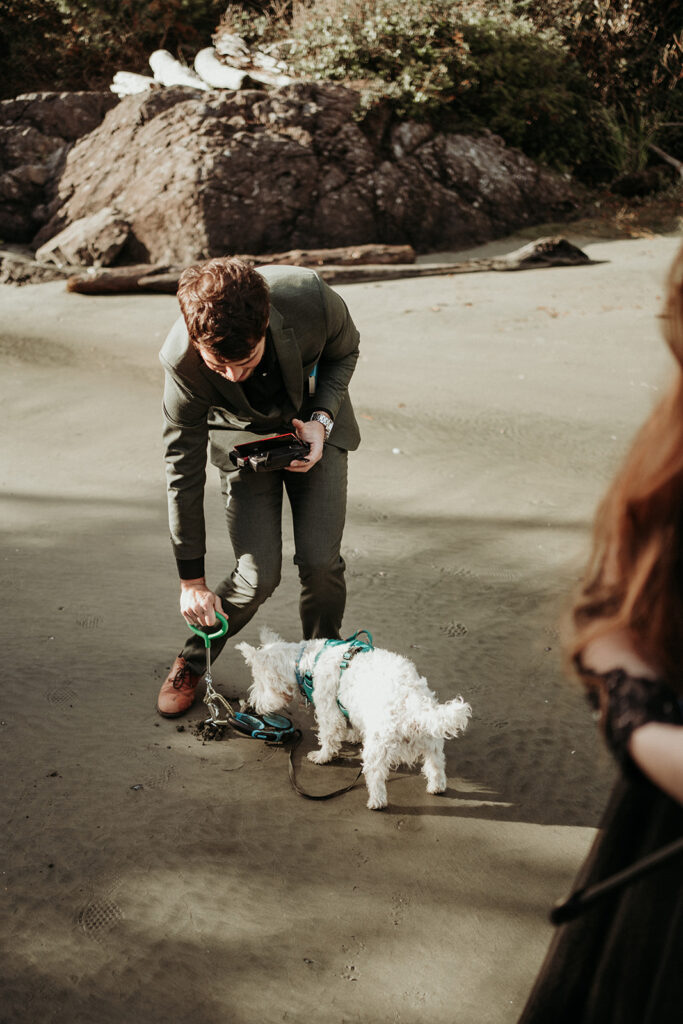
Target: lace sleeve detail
(626,702)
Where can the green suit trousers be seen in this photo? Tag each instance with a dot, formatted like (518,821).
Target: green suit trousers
(253,503)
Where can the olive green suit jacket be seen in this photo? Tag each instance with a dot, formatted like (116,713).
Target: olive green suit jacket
(310,326)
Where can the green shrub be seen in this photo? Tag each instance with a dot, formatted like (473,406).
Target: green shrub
(572,83)
(629,49)
(631,53)
(455,64)
(528,89)
(410,54)
(583,85)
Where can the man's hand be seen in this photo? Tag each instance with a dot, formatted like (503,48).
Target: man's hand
(198,604)
(314,433)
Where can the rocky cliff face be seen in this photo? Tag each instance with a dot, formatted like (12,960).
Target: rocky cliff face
(36,132)
(184,175)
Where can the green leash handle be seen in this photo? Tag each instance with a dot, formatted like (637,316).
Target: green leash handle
(208,637)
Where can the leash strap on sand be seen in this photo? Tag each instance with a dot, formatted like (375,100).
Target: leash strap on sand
(582,899)
(298,736)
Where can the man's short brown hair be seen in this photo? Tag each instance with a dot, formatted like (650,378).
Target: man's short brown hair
(226,306)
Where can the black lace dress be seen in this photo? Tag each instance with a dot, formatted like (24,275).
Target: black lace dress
(621,960)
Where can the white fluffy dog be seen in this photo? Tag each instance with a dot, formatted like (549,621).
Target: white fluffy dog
(390,707)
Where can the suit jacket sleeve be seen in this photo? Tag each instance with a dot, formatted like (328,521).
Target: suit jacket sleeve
(186,435)
(339,355)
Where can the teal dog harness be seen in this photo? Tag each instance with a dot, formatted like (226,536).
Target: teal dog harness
(354,646)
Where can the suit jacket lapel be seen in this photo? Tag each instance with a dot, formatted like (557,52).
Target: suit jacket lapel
(288,356)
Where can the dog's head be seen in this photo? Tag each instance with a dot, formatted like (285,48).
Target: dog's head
(272,672)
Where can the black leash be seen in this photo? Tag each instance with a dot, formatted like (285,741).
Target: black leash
(583,898)
(276,730)
(293,743)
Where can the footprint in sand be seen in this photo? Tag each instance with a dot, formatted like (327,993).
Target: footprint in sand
(61,695)
(102,913)
(99,917)
(161,777)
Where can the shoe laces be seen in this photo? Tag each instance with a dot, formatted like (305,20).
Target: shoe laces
(182,677)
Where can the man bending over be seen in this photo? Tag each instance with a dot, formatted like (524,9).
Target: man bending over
(256,353)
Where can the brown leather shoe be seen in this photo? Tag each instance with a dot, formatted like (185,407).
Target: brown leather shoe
(178,691)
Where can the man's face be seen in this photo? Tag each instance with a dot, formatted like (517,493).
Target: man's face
(236,372)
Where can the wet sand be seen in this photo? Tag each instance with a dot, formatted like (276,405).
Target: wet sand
(148,877)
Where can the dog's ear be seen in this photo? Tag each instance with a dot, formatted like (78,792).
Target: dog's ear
(247,651)
(269,636)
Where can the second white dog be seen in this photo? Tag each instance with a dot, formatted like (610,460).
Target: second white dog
(390,707)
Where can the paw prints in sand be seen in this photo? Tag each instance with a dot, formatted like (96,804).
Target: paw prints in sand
(148,770)
(454,629)
(399,904)
(89,621)
(360,856)
(350,970)
(411,823)
(159,778)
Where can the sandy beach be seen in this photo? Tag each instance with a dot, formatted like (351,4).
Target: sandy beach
(149,877)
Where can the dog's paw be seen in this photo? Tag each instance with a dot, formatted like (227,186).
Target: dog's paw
(375,804)
(437,787)
(318,757)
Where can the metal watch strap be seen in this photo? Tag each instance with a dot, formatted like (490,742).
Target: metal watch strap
(326,421)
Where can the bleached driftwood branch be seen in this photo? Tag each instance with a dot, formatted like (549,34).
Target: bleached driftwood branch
(259,66)
(127,83)
(228,65)
(215,73)
(169,71)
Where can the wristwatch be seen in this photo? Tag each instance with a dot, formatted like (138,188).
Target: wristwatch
(327,422)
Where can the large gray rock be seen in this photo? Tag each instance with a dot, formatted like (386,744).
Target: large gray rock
(203,175)
(94,240)
(36,130)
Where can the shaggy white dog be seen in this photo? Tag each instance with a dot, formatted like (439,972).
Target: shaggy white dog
(390,707)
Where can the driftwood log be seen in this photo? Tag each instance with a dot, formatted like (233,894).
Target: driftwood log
(544,252)
(164,278)
(116,280)
(349,255)
(338,266)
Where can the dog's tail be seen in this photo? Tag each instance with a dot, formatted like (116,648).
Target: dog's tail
(443,721)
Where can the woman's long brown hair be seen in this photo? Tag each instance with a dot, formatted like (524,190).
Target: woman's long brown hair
(634,579)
